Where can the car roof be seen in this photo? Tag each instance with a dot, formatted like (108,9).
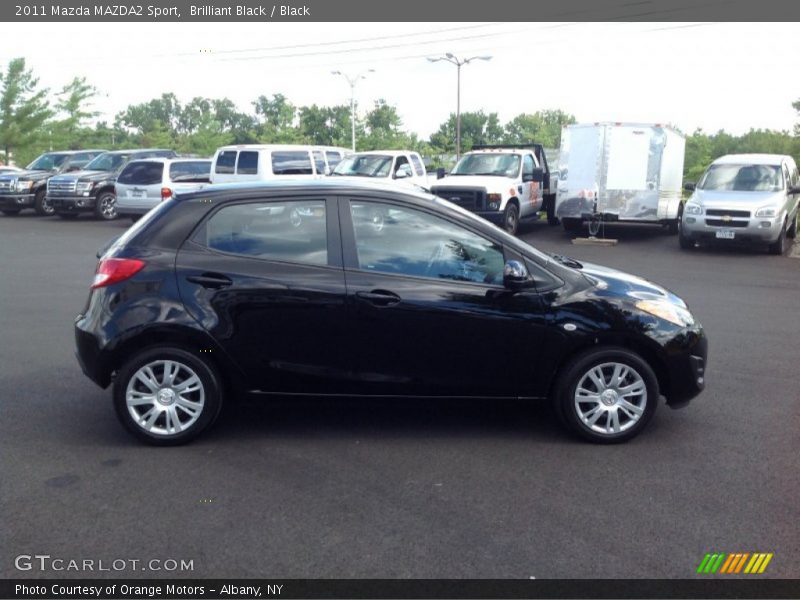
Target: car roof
(139,151)
(751,159)
(69,152)
(298,147)
(386,152)
(328,184)
(166,159)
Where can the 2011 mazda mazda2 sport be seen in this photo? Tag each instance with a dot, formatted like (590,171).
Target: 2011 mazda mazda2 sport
(331,287)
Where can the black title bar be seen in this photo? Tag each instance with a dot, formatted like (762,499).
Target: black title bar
(408,10)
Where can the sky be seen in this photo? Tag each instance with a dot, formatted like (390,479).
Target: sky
(732,76)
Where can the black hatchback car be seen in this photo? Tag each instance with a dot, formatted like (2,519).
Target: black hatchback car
(338,287)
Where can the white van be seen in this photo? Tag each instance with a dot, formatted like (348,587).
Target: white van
(258,162)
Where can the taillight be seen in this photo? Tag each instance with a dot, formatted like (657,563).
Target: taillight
(114,270)
(166,194)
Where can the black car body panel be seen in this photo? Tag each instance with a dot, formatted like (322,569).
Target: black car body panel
(289,328)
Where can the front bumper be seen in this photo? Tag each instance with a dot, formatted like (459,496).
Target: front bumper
(744,229)
(686,368)
(16,200)
(68,204)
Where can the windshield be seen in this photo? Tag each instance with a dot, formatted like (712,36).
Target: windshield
(742,178)
(501,165)
(367,165)
(107,162)
(47,162)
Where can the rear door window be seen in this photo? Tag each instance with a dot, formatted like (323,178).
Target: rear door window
(142,173)
(226,162)
(247,163)
(292,162)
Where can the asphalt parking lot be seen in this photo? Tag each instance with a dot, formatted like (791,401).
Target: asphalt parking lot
(357,488)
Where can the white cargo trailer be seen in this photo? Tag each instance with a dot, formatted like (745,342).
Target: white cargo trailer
(620,172)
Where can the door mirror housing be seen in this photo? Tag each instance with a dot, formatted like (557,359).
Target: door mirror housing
(536,175)
(516,276)
(403,172)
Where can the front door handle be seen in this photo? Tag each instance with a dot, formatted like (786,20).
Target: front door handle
(379,297)
(213,281)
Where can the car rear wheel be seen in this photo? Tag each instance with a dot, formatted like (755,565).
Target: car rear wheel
(10,212)
(41,205)
(167,396)
(606,395)
(106,206)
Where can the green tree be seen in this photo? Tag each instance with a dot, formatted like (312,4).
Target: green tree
(24,108)
(74,102)
(325,125)
(543,127)
(384,129)
(276,118)
(476,128)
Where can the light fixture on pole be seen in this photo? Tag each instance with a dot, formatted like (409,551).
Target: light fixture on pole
(353,81)
(452,59)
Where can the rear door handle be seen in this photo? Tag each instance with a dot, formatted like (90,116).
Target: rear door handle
(379,297)
(211,280)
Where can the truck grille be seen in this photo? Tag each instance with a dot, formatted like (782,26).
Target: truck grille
(471,199)
(7,184)
(61,186)
(724,223)
(716,212)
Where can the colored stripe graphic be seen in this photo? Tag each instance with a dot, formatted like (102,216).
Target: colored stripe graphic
(734,563)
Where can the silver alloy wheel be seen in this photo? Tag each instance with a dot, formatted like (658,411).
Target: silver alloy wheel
(47,206)
(108,206)
(165,397)
(610,398)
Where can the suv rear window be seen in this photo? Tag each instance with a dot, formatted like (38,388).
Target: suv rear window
(199,170)
(142,173)
(248,163)
(226,161)
(292,163)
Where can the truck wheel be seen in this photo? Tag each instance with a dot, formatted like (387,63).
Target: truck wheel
(552,219)
(572,225)
(41,205)
(511,218)
(105,207)
(606,395)
(11,212)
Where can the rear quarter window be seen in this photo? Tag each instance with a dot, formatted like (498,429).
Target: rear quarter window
(190,171)
(142,173)
(333,158)
(226,162)
(292,162)
(247,163)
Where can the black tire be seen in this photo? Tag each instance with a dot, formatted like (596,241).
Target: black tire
(40,204)
(10,212)
(778,247)
(105,206)
(684,242)
(552,219)
(792,231)
(511,218)
(674,227)
(211,387)
(68,216)
(572,225)
(574,372)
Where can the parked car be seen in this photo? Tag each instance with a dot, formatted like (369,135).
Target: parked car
(260,162)
(92,189)
(28,189)
(142,184)
(217,293)
(332,156)
(393,166)
(743,198)
(8,169)
(502,184)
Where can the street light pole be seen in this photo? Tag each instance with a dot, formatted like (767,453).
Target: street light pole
(352,81)
(453,60)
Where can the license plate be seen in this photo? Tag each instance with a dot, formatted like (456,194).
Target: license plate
(725,234)
(136,194)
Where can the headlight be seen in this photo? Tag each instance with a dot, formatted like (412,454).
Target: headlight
(494,201)
(693,209)
(767,211)
(84,186)
(667,311)
(23,186)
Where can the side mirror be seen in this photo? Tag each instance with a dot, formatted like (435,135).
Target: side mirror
(401,174)
(536,175)
(516,276)
(689,186)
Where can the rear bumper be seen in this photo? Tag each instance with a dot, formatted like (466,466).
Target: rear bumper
(89,355)
(16,200)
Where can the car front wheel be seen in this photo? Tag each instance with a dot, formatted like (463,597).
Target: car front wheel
(106,206)
(167,396)
(607,395)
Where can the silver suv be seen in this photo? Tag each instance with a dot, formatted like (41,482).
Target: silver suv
(743,198)
(145,183)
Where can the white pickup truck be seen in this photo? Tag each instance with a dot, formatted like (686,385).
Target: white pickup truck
(503,184)
(392,166)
